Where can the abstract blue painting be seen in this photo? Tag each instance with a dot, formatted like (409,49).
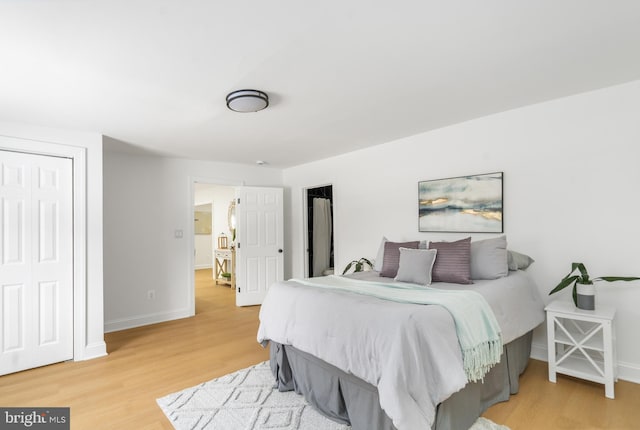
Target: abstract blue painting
(471,204)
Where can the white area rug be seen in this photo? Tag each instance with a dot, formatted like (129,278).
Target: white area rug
(247,400)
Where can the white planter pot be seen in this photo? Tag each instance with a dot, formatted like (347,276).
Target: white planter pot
(586,296)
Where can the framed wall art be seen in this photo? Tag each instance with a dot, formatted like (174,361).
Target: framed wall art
(470,204)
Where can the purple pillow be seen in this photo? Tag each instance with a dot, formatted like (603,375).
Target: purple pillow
(453,262)
(391,259)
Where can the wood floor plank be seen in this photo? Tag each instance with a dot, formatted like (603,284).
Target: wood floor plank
(120,391)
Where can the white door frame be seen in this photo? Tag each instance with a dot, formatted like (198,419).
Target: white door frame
(305,232)
(79,158)
(191,293)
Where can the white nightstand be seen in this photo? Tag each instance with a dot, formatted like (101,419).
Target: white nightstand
(582,343)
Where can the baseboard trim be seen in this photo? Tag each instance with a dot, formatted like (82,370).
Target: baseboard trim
(142,320)
(94,350)
(539,352)
(626,371)
(203,266)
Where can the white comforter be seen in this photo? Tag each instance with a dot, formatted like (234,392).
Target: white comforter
(409,352)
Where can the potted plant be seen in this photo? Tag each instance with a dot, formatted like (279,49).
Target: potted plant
(358,265)
(583,287)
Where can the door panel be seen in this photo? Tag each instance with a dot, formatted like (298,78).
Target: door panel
(13,225)
(259,252)
(272,271)
(13,317)
(49,317)
(48,232)
(252,272)
(271,229)
(36,274)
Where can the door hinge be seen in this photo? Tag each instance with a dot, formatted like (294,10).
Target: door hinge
(238,289)
(238,200)
(238,245)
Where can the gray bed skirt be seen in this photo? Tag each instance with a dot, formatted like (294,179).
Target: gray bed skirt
(350,400)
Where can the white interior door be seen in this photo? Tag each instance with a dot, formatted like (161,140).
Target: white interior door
(259,242)
(36,261)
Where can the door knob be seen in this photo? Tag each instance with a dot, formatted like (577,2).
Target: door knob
(280,251)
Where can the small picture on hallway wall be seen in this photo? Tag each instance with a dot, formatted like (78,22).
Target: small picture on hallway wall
(470,204)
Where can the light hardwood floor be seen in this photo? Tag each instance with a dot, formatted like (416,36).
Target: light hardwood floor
(569,404)
(119,391)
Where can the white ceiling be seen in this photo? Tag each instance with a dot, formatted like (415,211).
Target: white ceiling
(341,74)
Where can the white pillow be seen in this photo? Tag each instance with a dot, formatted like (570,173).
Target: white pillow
(377,264)
(416,265)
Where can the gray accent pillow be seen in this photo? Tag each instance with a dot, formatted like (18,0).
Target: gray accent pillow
(489,258)
(452,262)
(415,265)
(377,263)
(516,261)
(391,259)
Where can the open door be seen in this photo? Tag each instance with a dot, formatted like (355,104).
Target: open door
(259,242)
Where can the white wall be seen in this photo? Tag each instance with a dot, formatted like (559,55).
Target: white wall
(203,251)
(571,180)
(203,242)
(87,150)
(221,197)
(141,252)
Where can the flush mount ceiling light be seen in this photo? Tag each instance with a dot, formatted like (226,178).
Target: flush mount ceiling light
(247,100)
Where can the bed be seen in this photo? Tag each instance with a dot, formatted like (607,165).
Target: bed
(375,363)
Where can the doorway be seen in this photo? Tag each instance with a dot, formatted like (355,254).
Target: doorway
(319,236)
(202,229)
(212,240)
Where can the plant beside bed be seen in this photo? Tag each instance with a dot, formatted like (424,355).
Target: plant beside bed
(358,265)
(583,291)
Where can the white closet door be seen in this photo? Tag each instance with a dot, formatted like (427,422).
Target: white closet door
(36,261)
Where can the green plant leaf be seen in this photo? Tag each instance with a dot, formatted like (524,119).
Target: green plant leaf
(359,265)
(565,283)
(573,269)
(583,272)
(583,278)
(346,269)
(366,261)
(617,278)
